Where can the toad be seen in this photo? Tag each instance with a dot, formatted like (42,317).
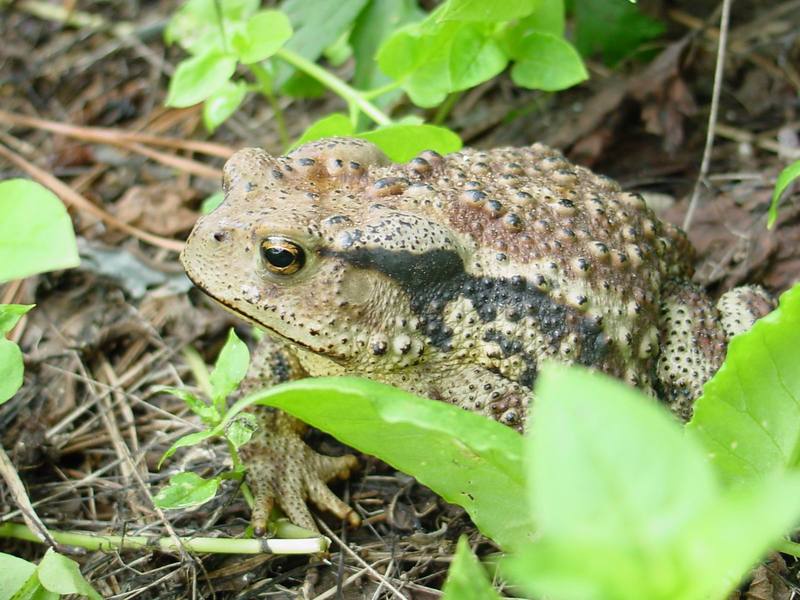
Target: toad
(452,277)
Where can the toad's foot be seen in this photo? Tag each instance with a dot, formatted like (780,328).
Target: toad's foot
(283,470)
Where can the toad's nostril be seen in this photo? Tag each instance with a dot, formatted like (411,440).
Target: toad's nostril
(220,236)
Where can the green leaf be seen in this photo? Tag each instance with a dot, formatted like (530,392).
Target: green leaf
(197,78)
(265,33)
(186,490)
(614,28)
(223,103)
(466,579)
(419,436)
(11,363)
(201,408)
(733,534)
(627,506)
(547,18)
(14,573)
(748,417)
(10,315)
(35,231)
(787,176)
(197,28)
(212,202)
(639,478)
(475,57)
(403,142)
(231,367)
(375,23)
(190,439)
(547,62)
(434,60)
(62,575)
(482,11)
(241,429)
(11,369)
(333,125)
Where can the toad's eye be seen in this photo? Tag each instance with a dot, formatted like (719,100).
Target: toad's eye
(282,256)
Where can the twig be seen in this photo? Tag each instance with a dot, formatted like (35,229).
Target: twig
(17,489)
(73,198)
(719,72)
(330,533)
(740,135)
(105,135)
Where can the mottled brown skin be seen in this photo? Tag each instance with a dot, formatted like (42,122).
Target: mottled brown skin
(451,277)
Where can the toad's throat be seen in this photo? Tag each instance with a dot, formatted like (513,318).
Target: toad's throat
(253,320)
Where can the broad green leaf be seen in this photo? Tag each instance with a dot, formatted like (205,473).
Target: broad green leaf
(196,26)
(62,575)
(419,436)
(547,62)
(617,467)
(10,314)
(419,61)
(335,124)
(403,142)
(223,103)
(190,439)
(201,408)
(11,369)
(186,490)
(483,11)
(626,505)
(434,60)
(14,572)
(230,368)
(728,539)
(466,579)
(11,365)
(35,231)
(198,77)
(748,417)
(241,429)
(547,18)
(31,589)
(265,33)
(475,57)
(614,28)
(212,202)
(375,23)
(787,176)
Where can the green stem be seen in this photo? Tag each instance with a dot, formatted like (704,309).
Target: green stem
(265,82)
(788,547)
(445,107)
(112,543)
(380,91)
(329,80)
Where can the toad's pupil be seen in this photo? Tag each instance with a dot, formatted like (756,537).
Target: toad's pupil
(279,257)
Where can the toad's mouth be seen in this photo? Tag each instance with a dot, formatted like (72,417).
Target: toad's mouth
(252,320)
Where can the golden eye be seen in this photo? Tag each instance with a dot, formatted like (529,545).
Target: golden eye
(282,256)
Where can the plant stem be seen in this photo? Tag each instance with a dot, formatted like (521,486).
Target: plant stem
(265,82)
(329,80)
(108,543)
(445,107)
(380,91)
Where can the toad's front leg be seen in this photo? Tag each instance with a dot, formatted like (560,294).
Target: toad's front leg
(281,469)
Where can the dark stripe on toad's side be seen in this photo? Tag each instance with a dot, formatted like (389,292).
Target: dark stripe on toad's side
(434,278)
